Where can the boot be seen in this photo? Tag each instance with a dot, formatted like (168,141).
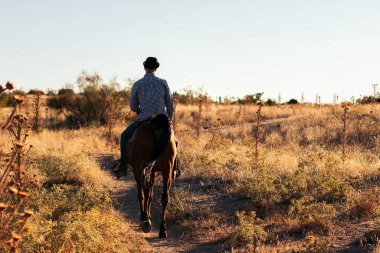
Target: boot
(121,168)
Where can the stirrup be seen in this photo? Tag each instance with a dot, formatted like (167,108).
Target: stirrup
(114,166)
(176,174)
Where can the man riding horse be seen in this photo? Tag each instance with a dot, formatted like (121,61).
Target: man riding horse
(148,145)
(149,97)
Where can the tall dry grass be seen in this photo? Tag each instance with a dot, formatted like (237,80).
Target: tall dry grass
(73,208)
(298,195)
(300,185)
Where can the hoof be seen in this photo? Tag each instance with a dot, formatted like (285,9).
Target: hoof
(163,234)
(146,226)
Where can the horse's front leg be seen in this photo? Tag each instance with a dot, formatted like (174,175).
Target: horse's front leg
(165,200)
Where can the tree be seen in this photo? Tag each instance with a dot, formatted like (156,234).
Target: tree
(252,98)
(270,102)
(292,101)
(35,92)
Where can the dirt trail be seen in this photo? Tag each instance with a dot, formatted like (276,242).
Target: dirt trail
(125,200)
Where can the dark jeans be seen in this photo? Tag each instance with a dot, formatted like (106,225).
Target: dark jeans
(128,132)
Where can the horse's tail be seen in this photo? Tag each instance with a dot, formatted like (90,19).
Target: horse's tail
(161,132)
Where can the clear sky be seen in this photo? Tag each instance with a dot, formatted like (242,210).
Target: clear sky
(227,47)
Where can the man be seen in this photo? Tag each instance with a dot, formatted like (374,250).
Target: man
(150,96)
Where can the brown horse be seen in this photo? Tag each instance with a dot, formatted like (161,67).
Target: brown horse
(151,149)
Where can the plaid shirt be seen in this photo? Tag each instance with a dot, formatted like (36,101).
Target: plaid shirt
(149,97)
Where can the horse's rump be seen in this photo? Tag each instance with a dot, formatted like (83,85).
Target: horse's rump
(156,132)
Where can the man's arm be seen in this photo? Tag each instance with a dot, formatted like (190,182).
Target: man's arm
(169,101)
(134,100)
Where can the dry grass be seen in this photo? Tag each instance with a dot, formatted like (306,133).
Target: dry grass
(301,194)
(73,208)
(300,176)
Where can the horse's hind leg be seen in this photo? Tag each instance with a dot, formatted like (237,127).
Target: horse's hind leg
(145,222)
(149,197)
(148,194)
(165,200)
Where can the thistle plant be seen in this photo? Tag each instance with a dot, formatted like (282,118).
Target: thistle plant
(16,182)
(345,107)
(9,86)
(217,129)
(176,101)
(258,121)
(37,121)
(200,103)
(110,117)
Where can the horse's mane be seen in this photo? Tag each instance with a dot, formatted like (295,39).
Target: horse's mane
(161,133)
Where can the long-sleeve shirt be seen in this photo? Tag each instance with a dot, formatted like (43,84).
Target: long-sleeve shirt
(149,97)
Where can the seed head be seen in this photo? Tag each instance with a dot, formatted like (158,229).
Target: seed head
(28,213)
(1,88)
(10,242)
(23,194)
(9,85)
(7,159)
(13,190)
(27,229)
(13,167)
(19,99)
(19,144)
(3,206)
(16,237)
(20,222)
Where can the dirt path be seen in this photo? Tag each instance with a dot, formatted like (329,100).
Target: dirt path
(125,200)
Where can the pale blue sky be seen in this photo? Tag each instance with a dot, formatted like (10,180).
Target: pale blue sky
(228,47)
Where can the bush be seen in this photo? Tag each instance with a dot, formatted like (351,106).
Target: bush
(312,216)
(90,105)
(58,199)
(36,92)
(249,230)
(292,101)
(92,231)
(59,169)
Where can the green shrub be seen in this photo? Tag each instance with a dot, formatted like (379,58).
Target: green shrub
(249,230)
(79,231)
(312,216)
(57,200)
(59,169)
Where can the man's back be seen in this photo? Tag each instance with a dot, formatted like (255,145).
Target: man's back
(149,97)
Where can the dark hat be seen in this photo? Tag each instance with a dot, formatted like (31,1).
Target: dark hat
(151,63)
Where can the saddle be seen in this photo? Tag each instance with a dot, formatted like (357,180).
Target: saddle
(161,134)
